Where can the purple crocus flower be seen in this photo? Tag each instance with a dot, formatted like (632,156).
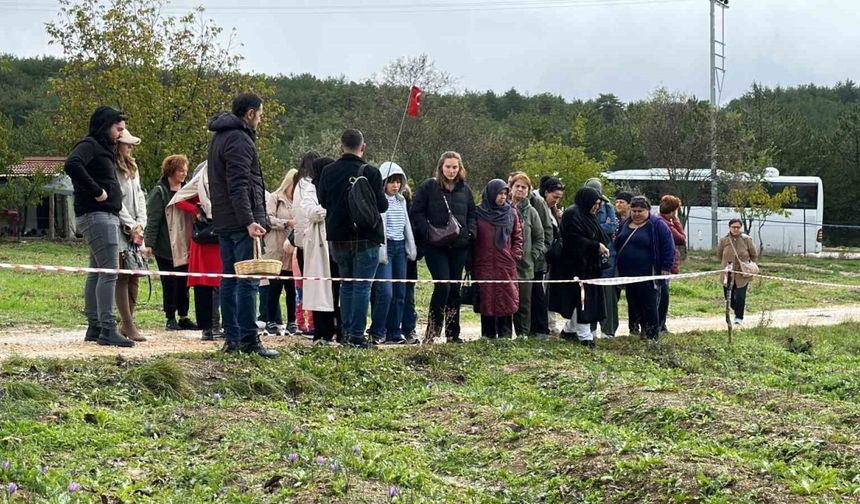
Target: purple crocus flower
(334,466)
(11,488)
(74,487)
(6,464)
(216,397)
(356,450)
(320,460)
(393,491)
(297,429)
(293,457)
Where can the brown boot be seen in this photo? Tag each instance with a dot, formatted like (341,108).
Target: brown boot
(126,297)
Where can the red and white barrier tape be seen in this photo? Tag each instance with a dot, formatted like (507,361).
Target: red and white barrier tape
(594,281)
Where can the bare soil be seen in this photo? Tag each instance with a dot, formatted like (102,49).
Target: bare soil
(48,342)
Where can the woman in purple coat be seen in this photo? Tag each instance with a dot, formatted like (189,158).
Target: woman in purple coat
(496,250)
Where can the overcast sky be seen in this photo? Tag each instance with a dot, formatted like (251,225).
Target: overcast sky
(575,48)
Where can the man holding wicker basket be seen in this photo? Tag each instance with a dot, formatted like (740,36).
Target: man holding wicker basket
(239,217)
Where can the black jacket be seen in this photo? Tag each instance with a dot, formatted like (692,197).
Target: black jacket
(92,167)
(581,259)
(332,191)
(428,208)
(235,179)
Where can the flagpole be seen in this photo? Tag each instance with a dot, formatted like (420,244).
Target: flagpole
(402,121)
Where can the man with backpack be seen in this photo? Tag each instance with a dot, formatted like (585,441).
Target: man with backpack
(351,192)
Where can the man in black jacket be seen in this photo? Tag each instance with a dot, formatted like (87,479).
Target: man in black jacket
(238,215)
(356,251)
(98,199)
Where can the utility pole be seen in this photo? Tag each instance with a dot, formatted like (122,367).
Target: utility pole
(718,50)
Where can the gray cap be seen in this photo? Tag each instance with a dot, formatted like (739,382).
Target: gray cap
(597,185)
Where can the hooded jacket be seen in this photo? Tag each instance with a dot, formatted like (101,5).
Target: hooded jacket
(387,170)
(235,177)
(92,166)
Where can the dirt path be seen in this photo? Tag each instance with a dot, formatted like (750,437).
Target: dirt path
(68,343)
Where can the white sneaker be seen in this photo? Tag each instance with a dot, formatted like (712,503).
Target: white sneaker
(739,321)
(261,324)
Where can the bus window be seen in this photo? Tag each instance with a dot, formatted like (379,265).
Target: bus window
(807,194)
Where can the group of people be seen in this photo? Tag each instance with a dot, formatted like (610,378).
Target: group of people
(346,218)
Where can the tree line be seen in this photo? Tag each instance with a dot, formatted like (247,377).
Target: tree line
(172,73)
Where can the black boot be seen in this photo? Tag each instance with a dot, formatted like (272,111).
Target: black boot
(172,325)
(186,324)
(207,335)
(588,343)
(229,347)
(92,333)
(256,347)
(111,337)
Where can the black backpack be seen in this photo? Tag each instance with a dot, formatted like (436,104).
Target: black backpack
(361,200)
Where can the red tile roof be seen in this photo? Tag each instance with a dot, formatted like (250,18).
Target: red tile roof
(30,165)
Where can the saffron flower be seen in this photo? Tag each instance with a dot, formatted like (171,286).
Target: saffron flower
(320,460)
(6,464)
(74,487)
(335,467)
(293,457)
(393,491)
(356,450)
(11,488)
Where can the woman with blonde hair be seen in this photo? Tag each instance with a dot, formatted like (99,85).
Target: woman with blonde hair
(132,220)
(438,201)
(279,207)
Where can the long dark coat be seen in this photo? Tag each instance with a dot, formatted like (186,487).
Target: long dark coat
(580,258)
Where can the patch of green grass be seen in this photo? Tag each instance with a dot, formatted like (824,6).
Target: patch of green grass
(163,378)
(687,419)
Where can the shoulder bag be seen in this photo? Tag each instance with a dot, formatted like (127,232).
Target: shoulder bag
(748,269)
(442,236)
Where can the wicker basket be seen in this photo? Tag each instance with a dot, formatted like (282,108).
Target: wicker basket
(257,266)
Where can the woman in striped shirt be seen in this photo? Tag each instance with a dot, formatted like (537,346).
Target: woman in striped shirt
(399,245)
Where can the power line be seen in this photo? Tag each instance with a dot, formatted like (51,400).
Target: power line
(447,6)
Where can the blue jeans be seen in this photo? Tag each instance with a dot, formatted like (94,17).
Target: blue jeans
(389,297)
(238,297)
(355,259)
(101,232)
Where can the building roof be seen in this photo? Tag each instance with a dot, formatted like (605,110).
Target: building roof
(30,165)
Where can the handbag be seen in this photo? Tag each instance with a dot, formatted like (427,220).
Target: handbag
(443,236)
(132,258)
(203,231)
(748,269)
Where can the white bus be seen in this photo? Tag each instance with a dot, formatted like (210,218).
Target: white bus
(800,232)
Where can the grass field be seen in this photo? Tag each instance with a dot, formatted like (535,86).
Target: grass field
(34,299)
(772,418)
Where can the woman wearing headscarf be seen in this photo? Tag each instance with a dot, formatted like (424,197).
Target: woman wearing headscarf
(645,247)
(584,248)
(495,253)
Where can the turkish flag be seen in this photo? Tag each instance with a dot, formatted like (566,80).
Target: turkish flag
(414,102)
